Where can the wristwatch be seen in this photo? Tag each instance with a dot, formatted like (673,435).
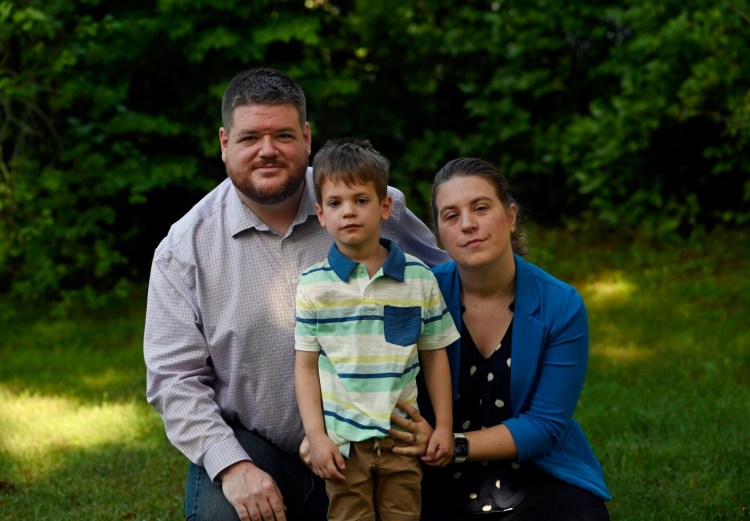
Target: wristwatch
(460,448)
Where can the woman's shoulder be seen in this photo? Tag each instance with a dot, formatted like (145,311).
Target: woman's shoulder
(528,272)
(444,269)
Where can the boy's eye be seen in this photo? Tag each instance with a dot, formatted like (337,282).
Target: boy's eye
(333,204)
(363,200)
(449,216)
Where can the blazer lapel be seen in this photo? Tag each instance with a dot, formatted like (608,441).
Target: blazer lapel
(528,337)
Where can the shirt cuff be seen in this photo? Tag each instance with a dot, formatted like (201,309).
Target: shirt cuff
(222,455)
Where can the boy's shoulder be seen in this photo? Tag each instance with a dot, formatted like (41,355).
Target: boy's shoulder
(316,268)
(411,260)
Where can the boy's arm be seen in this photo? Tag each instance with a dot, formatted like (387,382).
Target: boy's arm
(327,461)
(437,376)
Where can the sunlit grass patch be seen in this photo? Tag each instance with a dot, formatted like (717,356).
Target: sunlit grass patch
(608,287)
(34,429)
(622,353)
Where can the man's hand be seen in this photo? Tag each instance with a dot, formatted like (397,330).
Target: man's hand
(252,492)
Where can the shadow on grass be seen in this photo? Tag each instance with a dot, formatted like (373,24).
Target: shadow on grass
(114,481)
(91,357)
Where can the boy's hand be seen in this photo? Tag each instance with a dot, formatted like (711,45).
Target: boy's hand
(326,460)
(439,448)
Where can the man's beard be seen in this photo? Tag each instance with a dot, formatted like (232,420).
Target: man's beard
(267,196)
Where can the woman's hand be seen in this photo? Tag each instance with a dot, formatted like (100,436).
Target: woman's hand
(417,431)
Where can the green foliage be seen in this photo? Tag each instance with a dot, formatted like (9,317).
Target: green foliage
(632,115)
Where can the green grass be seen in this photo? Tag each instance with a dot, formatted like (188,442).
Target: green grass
(77,440)
(665,405)
(667,397)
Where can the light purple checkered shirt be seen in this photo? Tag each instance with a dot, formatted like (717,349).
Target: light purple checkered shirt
(219,338)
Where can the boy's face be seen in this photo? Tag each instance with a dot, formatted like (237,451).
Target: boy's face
(352,215)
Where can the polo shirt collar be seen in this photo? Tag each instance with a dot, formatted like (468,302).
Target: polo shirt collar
(394,265)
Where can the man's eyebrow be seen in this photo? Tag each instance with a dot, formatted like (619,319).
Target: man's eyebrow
(275,131)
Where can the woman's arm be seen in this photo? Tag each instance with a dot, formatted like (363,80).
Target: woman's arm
(558,380)
(487,444)
(437,375)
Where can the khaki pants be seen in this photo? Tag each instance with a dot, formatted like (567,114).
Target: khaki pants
(379,485)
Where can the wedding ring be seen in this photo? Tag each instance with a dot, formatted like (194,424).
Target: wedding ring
(413,438)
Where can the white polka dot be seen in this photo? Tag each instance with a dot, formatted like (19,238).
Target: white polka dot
(497,484)
(499,346)
(515,465)
(490,377)
(483,427)
(480,401)
(457,475)
(486,508)
(472,370)
(466,424)
(458,396)
(499,404)
(473,495)
(508,362)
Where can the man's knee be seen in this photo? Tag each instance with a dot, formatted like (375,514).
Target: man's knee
(205,501)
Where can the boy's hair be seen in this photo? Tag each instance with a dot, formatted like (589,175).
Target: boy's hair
(261,86)
(351,161)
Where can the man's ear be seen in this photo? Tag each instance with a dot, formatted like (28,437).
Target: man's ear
(223,141)
(386,207)
(319,211)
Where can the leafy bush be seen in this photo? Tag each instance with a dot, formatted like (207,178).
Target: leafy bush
(633,115)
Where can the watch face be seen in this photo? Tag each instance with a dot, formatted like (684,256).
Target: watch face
(460,447)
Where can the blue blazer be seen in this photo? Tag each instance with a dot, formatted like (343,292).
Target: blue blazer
(550,355)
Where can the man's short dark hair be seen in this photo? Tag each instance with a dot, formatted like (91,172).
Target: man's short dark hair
(261,86)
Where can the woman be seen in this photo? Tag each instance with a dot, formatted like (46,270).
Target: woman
(518,452)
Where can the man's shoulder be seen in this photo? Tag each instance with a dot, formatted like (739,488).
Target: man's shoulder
(203,213)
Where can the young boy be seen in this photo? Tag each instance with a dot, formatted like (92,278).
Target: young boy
(366,315)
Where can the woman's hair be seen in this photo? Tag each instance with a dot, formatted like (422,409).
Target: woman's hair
(470,166)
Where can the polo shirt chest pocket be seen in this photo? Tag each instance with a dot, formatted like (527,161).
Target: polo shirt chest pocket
(402,325)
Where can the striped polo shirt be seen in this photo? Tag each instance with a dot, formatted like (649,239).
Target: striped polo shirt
(368,332)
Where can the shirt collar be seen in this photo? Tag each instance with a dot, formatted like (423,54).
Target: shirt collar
(394,265)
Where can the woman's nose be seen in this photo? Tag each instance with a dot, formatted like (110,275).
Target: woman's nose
(468,222)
